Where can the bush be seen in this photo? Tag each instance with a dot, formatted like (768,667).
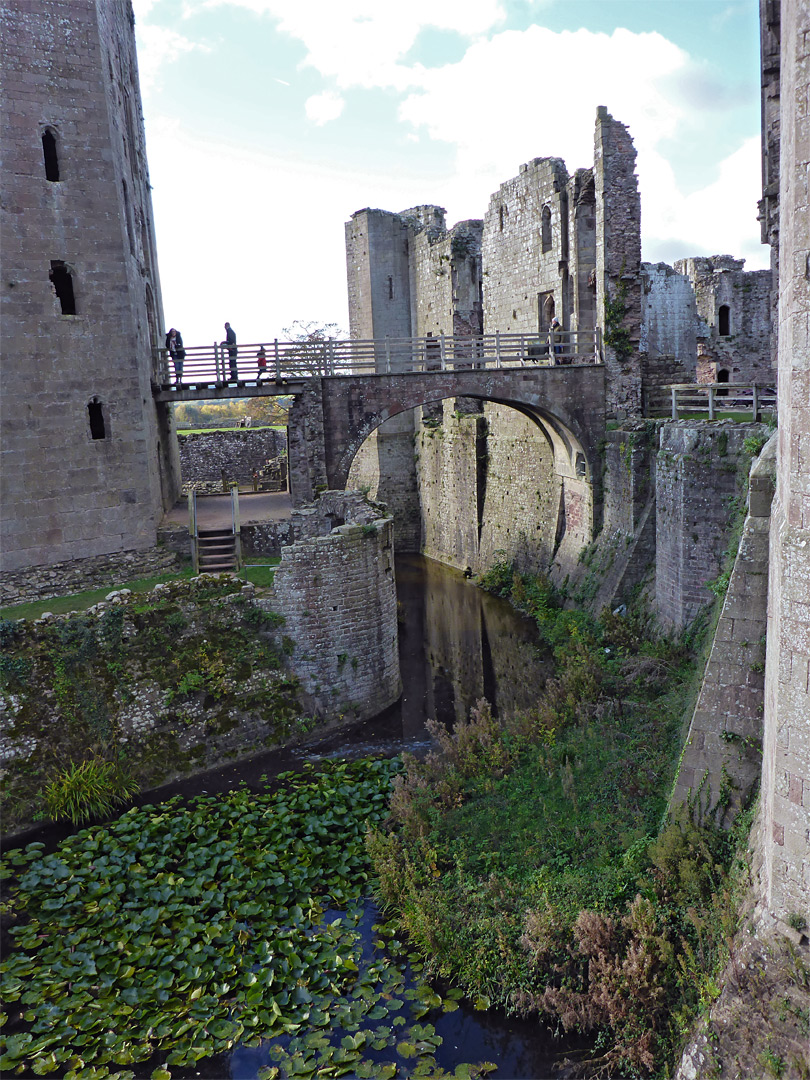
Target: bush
(91,788)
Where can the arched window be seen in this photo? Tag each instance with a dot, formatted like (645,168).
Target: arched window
(50,155)
(724,320)
(95,413)
(62,282)
(545,230)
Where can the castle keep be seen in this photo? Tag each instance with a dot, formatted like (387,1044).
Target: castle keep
(89,460)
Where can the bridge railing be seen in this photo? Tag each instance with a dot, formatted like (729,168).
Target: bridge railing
(280,361)
(687,399)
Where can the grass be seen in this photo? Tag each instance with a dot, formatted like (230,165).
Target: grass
(80,601)
(743,417)
(260,570)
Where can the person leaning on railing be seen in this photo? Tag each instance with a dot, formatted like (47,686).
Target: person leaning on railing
(555,337)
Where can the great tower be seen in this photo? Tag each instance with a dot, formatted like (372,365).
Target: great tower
(89,460)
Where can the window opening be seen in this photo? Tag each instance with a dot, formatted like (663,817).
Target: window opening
(722,377)
(98,428)
(63,286)
(724,320)
(500,217)
(390,288)
(545,229)
(50,155)
(128,218)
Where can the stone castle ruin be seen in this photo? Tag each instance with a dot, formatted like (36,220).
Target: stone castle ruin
(89,453)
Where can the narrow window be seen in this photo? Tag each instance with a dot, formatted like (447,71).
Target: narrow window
(390,288)
(128,217)
(98,428)
(724,320)
(545,229)
(50,155)
(500,217)
(63,286)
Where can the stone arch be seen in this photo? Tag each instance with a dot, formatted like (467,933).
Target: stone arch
(565,405)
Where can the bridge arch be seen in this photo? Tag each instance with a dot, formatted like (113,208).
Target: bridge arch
(566,405)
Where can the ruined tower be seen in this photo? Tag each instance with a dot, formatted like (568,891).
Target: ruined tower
(88,459)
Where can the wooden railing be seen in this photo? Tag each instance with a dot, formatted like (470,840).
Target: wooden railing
(295,360)
(686,399)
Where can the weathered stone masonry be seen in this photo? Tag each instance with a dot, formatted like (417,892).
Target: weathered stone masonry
(335,587)
(89,461)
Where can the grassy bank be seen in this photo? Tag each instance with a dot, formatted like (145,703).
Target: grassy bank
(530,858)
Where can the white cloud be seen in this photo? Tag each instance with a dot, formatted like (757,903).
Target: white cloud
(362,42)
(321,108)
(157,47)
(718,219)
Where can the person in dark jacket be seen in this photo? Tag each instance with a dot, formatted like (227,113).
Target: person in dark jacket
(230,343)
(177,354)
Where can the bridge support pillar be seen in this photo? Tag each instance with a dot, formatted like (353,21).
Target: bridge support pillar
(306,445)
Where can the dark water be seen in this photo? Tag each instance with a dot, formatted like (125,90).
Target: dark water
(457,644)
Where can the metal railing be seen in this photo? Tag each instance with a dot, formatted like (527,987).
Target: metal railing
(713,398)
(283,361)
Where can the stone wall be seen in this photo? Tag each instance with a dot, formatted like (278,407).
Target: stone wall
(236,455)
(94,572)
(336,591)
(670,324)
(786,758)
(89,461)
(524,250)
(696,489)
(487,490)
(618,260)
(722,759)
(740,351)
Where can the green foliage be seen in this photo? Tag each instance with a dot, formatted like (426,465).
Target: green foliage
(525,855)
(179,931)
(88,789)
(752,445)
(617,336)
(200,648)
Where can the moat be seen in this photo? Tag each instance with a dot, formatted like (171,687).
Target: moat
(457,644)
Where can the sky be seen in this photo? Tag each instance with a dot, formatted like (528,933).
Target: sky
(270,122)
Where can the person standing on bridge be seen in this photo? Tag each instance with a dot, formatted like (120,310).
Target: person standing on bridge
(230,343)
(177,354)
(261,364)
(555,338)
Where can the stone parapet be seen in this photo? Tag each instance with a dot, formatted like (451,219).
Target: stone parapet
(77,575)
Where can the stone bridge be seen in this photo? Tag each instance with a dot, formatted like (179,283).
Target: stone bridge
(333,416)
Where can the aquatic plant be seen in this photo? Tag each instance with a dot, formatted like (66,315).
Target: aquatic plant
(180,930)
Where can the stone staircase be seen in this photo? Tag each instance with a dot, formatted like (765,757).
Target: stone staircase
(216,551)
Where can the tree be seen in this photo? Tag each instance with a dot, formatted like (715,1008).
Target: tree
(310,353)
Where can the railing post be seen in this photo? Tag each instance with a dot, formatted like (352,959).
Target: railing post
(755,403)
(237,537)
(331,356)
(192,529)
(442,352)
(219,356)
(387,355)
(711,402)
(598,344)
(278,360)
(497,348)
(674,393)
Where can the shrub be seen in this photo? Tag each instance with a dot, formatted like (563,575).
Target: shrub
(88,789)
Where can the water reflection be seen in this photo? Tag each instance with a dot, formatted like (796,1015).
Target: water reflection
(458,644)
